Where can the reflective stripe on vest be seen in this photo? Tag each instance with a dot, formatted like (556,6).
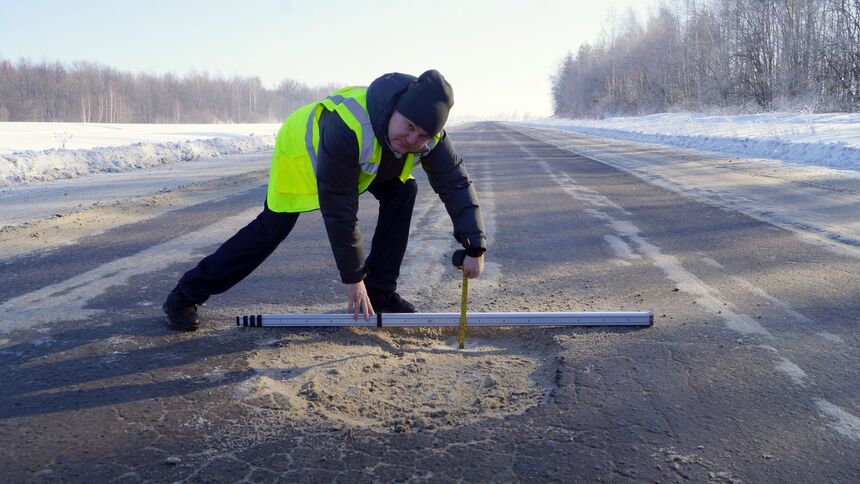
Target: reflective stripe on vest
(309,138)
(367,137)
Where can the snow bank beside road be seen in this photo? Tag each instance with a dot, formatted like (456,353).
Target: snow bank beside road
(827,140)
(115,148)
(28,166)
(15,137)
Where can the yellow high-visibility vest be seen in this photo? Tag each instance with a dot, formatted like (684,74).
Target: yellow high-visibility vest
(292,180)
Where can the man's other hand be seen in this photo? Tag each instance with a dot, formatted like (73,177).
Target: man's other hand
(473,266)
(359,301)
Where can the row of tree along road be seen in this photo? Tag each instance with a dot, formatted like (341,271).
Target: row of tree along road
(92,93)
(705,54)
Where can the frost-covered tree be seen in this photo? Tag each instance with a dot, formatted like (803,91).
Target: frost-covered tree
(699,54)
(93,93)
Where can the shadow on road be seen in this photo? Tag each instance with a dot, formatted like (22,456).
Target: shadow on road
(105,365)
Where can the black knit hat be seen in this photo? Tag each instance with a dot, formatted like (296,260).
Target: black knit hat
(426,101)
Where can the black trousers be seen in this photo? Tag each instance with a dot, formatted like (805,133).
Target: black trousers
(236,258)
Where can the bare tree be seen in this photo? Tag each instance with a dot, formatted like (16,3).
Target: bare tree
(696,54)
(93,93)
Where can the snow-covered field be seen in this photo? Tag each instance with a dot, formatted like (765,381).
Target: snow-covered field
(35,152)
(828,140)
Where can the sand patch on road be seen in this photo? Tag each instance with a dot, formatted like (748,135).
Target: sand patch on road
(399,380)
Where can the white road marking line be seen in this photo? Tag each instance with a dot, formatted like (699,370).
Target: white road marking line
(776,302)
(794,372)
(842,421)
(767,348)
(620,247)
(712,263)
(578,191)
(431,244)
(487,201)
(67,300)
(831,337)
(687,182)
(707,297)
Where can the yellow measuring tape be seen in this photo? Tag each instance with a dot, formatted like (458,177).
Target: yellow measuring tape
(463,299)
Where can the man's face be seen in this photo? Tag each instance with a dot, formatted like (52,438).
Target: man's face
(405,136)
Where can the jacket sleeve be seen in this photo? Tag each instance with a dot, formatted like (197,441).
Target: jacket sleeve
(450,180)
(337,174)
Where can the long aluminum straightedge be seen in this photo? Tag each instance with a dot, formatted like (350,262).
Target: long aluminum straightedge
(393,320)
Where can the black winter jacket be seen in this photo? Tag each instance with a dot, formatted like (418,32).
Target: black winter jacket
(337,174)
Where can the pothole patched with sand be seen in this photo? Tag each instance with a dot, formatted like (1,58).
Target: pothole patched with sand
(400,380)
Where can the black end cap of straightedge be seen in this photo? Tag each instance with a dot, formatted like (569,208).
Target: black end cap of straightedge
(257,320)
(253,320)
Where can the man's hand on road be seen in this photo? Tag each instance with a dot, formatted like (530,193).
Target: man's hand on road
(359,301)
(473,266)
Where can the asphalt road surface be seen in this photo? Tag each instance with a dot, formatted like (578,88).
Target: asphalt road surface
(749,373)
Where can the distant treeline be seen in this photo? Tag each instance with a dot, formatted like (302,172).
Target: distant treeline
(704,54)
(93,93)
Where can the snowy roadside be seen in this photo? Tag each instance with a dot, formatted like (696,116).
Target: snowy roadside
(42,216)
(826,140)
(38,152)
(117,174)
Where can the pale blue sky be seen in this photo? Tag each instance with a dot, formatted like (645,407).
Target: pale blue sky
(498,55)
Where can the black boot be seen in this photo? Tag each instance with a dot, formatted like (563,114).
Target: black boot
(389,302)
(181,312)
